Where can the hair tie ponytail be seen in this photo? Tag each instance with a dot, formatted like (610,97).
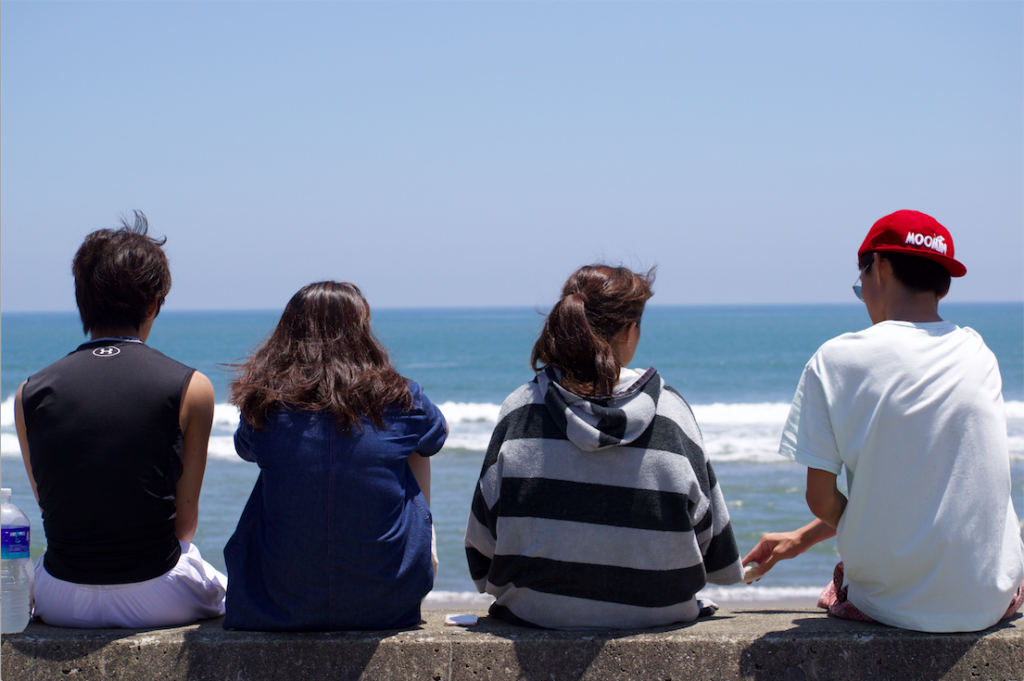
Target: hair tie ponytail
(597,302)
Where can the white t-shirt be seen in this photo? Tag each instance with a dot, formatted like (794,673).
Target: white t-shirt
(929,539)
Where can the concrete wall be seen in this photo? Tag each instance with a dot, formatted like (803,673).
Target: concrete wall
(735,644)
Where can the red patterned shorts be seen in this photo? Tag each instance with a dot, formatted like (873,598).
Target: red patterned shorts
(833,599)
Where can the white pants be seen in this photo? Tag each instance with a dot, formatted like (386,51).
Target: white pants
(191,590)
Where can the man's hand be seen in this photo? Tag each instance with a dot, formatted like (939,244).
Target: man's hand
(772,548)
(776,546)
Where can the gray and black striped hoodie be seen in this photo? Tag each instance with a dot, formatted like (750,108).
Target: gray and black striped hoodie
(598,512)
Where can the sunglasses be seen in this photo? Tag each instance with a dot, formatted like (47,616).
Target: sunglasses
(858,290)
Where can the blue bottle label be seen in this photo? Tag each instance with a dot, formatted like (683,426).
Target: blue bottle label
(14,543)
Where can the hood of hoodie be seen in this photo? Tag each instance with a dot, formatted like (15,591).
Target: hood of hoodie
(595,423)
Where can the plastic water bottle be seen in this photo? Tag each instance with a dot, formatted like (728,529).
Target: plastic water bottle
(15,566)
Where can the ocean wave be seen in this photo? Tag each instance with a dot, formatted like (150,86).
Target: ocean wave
(474,441)
(226,416)
(758,414)
(754,593)
(223,447)
(470,412)
(754,414)
(740,593)
(7,412)
(716,414)
(747,414)
(725,447)
(9,446)
(466,599)
(739,432)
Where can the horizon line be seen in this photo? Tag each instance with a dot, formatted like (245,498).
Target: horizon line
(399,308)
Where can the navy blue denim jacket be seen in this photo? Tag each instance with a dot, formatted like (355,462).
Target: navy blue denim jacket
(336,533)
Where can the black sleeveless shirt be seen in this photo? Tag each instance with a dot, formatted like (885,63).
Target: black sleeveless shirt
(105,444)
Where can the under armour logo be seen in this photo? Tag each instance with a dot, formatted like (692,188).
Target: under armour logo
(108,351)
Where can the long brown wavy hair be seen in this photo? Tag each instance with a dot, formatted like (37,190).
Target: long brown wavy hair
(322,356)
(597,302)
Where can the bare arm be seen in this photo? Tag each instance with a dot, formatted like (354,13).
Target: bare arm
(196,421)
(826,502)
(19,424)
(420,466)
(824,499)
(777,546)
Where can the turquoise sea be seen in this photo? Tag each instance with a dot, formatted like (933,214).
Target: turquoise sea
(737,366)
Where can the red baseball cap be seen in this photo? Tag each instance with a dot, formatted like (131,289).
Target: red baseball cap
(913,233)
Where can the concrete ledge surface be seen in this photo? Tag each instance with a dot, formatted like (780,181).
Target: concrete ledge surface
(735,644)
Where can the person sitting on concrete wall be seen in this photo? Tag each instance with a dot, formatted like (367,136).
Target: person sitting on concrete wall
(597,506)
(912,407)
(114,439)
(337,533)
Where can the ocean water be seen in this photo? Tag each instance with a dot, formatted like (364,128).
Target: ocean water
(737,366)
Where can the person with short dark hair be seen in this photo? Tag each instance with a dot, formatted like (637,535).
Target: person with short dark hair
(912,408)
(915,273)
(337,533)
(114,439)
(596,505)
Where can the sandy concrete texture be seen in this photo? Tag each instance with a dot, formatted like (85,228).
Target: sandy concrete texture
(783,644)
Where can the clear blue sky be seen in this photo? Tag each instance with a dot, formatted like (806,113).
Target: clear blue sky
(452,154)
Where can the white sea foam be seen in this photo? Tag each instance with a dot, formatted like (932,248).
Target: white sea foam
(760,414)
(740,593)
(469,424)
(734,448)
(732,432)
(223,447)
(225,416)
(470,412)
(466,599)
(717,414)
(474,439)
(761,594)
(7,412)
(9,445)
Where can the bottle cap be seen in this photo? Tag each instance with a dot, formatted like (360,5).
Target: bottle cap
(5,494)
